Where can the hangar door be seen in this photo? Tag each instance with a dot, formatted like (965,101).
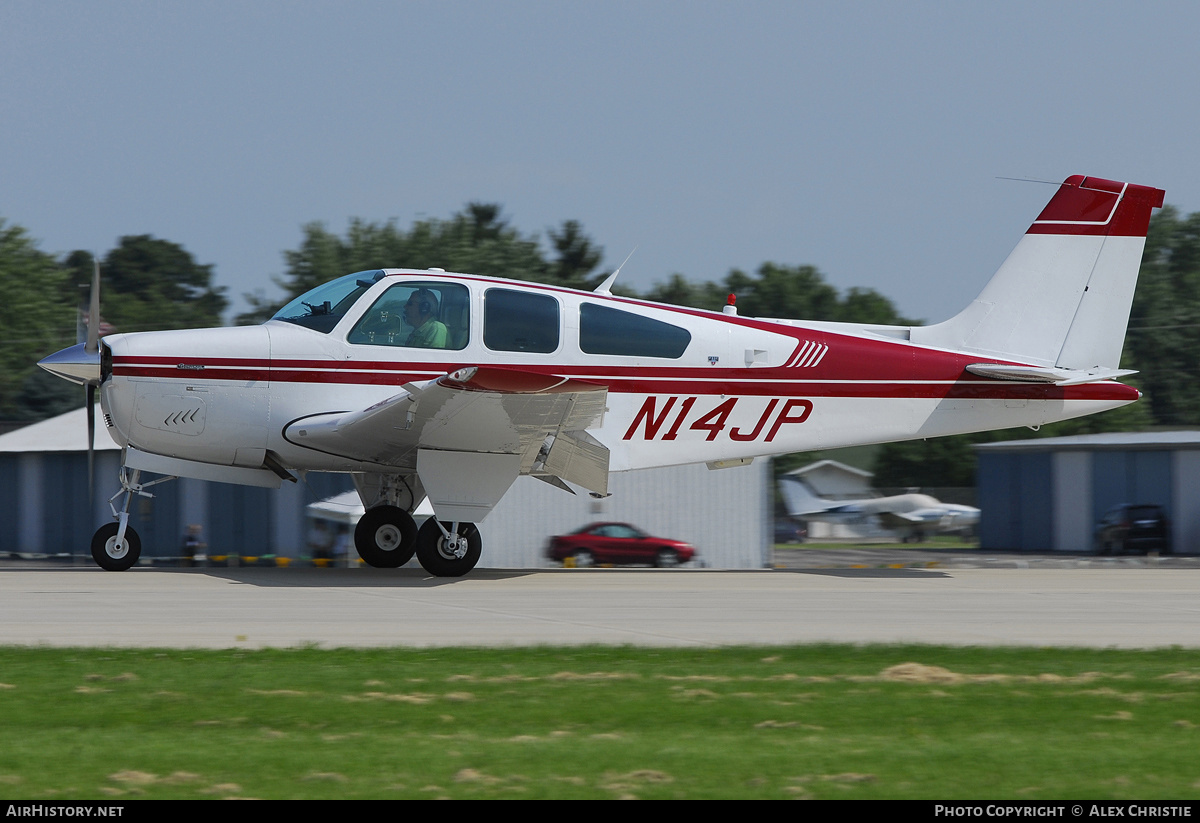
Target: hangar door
(1130,477)
(1016,501)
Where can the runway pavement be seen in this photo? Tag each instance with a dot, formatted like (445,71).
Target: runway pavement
(1123,605)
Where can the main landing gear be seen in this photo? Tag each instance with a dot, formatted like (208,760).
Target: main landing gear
(448,549)
(387,537)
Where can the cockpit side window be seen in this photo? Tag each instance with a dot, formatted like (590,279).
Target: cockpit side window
(520,321)
(321,308)
(605,330)
(423,315)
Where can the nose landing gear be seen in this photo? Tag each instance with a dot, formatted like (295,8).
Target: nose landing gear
(114,551)
(115,546)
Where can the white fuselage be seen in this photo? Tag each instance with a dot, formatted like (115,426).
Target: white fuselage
(741,388)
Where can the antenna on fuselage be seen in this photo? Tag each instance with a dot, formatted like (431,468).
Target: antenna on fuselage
(606,286)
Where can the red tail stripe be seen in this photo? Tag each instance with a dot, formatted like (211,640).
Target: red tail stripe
(1095,206)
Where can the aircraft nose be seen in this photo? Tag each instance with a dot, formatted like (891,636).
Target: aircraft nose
(75,364)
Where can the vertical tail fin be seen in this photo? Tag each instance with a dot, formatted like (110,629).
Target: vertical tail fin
(800,499)
(1062,298)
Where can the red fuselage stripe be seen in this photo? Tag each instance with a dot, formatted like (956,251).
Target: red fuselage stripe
(768,382)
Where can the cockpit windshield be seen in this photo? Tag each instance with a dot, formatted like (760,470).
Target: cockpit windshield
(321,308)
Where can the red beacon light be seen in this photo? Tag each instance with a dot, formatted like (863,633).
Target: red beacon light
(730,308)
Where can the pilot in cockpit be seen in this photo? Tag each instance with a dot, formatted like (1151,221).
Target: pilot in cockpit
(421,312)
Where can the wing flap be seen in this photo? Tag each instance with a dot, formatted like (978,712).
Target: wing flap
(579,458)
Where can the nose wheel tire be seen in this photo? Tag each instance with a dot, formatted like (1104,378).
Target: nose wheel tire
(112,555)
(448,557)
(386,537)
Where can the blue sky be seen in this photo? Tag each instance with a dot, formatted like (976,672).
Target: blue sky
(866,138)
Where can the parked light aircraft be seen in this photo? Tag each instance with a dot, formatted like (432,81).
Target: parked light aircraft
(424,383)
(913,514)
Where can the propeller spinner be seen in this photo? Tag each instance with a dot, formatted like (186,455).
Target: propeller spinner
(81,363)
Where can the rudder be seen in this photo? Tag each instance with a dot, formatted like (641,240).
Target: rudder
(1062,298)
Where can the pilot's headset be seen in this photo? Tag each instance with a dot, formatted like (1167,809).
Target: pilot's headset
(426,303)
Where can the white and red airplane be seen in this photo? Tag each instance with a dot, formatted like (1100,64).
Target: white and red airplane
(912,514)
(425,383)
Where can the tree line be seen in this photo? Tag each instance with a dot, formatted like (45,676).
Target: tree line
(151,283)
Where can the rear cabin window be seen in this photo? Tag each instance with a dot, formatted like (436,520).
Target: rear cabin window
(520,321)
(431,315)
(605,330)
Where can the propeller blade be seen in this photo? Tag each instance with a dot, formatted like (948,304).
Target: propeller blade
(93,326)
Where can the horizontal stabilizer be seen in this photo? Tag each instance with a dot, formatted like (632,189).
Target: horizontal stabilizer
(1046,374)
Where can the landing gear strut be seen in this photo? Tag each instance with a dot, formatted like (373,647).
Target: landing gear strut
(115,546)
(448,549)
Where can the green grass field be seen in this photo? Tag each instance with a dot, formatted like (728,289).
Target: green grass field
(789,722)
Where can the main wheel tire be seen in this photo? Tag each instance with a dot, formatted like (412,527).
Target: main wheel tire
(386,537)
(442,559)
(111,555)
(666,559)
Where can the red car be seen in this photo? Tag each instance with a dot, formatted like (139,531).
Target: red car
(618,543)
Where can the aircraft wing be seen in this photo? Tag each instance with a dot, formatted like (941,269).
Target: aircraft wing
(894,520)
(476,420)
(941,518)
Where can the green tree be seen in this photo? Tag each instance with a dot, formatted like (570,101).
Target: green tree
(41,313)
(577,257)
(679,291)
(797,292)
(1164,325)
(939,461)
(477,240)
(149,284)
(790,292)
(869,306)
